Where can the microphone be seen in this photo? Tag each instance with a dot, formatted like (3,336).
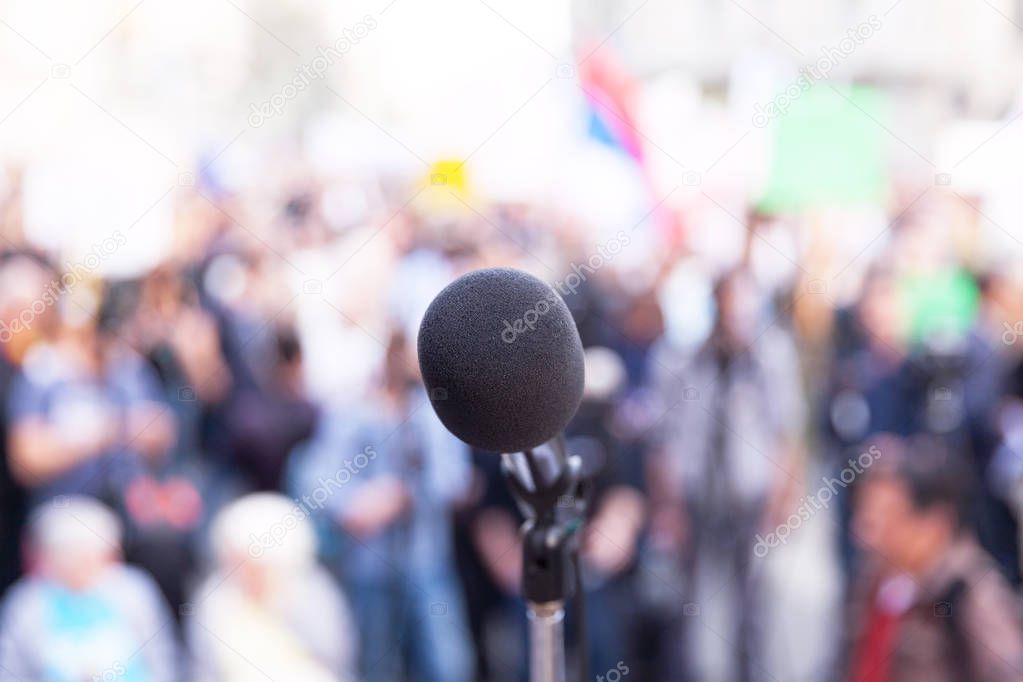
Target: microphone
(501,359)
(503,364)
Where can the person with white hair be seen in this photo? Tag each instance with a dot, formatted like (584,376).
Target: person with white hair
(268,610)
(80,613)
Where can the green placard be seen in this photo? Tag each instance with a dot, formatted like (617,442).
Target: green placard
(943,302)
(829,150)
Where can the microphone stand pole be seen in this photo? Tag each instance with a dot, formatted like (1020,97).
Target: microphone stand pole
(551,493)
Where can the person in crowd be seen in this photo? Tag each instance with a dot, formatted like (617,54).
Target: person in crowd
(617,513)
(988,396)
(929,603)
(80,613)
(179,340)
(267,609)
(389,475)
(490,567)
(871,386)
(25,316)
(723,465)
(86,414)
(263,412)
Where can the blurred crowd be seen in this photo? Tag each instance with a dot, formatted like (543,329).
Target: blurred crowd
(227,468)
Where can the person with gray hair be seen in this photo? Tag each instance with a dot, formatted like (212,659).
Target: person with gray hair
(268,610)
(81,613)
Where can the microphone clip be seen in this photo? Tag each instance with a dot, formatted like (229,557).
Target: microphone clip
(552,493)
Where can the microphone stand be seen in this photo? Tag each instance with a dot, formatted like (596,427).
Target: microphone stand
(552,493)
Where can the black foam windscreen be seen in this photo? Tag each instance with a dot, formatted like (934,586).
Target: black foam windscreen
(501,359)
